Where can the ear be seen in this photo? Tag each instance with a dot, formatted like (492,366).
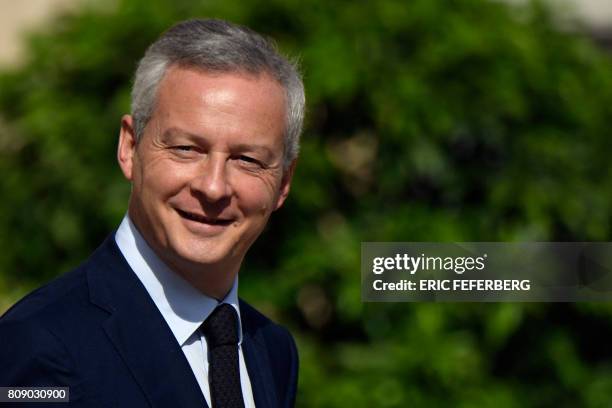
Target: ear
(285,185)
(127,146)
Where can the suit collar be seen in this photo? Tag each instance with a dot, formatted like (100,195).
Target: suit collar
(183,307)
(147,345)
(139,333)
(257,358)
(258,366)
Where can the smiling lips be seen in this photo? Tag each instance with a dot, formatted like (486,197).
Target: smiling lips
(204,219)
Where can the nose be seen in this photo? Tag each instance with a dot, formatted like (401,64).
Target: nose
(211,183)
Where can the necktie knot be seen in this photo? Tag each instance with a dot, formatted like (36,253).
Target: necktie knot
(221,327)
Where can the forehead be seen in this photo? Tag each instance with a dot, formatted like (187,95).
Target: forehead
(239,96)
(223,110)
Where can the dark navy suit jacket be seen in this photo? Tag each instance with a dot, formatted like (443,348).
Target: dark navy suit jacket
(97,331)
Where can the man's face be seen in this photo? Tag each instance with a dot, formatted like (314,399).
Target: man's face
(208,172)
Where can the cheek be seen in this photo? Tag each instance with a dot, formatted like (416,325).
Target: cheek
(164,180)
(256,195)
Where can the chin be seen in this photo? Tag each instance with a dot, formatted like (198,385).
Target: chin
(204,255)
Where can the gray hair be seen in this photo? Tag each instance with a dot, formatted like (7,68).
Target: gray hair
(218,46)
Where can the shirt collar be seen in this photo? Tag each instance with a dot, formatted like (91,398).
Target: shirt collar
(183,307)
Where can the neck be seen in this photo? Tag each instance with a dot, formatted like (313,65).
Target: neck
(214,280)
(211,280)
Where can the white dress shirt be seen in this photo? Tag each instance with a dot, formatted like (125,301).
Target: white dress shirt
(183,307)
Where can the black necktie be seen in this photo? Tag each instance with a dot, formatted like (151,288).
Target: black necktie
(221,331)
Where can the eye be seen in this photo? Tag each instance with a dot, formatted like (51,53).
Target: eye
(184,148)
(249,162)
(185,151)
(248,159)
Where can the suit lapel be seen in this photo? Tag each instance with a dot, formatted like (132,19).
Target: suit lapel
(258,364)
(139,332)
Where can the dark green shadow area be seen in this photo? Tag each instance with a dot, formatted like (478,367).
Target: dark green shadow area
(428,120)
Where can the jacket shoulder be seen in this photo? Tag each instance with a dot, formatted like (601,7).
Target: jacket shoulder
(256,323)
(66,297)
(56,298)
(34,352)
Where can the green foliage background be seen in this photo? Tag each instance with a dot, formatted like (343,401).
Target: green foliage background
(429,120)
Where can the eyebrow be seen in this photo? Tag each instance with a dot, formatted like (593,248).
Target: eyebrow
(174,131)
(252,147)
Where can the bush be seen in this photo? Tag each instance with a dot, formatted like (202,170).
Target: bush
(428,120)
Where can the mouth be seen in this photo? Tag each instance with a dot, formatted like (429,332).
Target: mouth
(204,219)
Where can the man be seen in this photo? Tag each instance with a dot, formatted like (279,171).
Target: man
(152,319)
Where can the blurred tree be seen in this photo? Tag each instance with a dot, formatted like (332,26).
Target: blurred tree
(429,120)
